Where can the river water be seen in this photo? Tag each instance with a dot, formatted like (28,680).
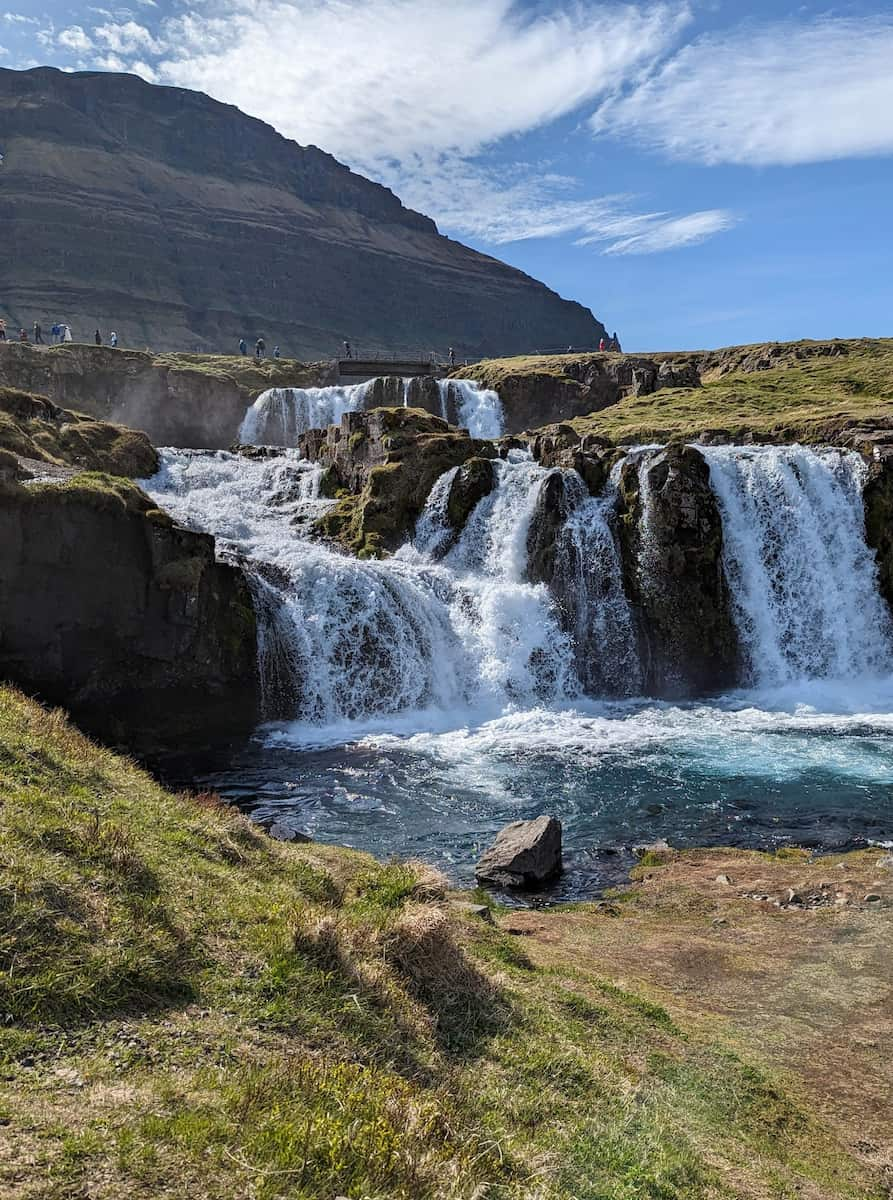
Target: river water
(417,705)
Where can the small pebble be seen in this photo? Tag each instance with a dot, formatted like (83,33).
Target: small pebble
(724,879)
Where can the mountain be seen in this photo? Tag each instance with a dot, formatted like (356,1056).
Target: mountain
(184,224)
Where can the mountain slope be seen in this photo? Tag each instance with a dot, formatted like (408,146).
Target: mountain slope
(182,224)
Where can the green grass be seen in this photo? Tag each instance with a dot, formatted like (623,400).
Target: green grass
(778,391)
(192,1009)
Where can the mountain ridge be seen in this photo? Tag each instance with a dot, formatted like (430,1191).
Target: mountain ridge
(213,226)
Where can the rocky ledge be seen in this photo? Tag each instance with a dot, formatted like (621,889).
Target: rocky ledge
(382,464)
(112,611)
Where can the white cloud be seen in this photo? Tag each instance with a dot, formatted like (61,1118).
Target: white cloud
(74,38)
(781,94)
(126,38)
(14,18)
(376,79)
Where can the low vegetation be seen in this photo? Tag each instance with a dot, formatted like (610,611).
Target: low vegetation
(808,391)
(191,1009)
(32,427)
(250,374)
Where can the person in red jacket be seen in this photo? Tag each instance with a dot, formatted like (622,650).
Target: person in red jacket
(601,344)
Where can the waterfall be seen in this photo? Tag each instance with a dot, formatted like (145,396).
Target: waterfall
(342,639)
(465,403)
(279,416)
(803,580)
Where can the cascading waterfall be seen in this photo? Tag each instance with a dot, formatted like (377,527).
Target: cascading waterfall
(477,409)
(452,623)
(342,639)
(279,416)
(803,580)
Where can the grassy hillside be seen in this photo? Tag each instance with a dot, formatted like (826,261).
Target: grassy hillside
(811,391)
(193,1010)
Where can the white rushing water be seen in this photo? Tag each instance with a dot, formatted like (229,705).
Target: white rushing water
(279,416)
(449,645)
(802,579)
(358,639)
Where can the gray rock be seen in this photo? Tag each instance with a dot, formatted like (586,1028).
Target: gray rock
(525,854)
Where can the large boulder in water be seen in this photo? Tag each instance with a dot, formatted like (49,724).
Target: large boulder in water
(526,854)
(473,481)
(672,538)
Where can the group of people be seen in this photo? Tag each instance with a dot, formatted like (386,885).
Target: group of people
(260,349)
(60,333)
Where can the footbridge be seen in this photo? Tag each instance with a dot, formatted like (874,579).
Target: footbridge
(370,366)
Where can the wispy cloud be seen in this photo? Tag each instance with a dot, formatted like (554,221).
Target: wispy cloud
(522,203)
(781,94)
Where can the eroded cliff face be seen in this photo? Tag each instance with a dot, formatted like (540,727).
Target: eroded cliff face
(110,610)
(213,226)
(671,537)
(177,400)
(544,390)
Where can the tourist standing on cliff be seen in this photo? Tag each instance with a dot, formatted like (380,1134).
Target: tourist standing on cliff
(23,335)
(243,347)
(452,357)
(2,330)
(601,345)
(260,348)
(97,337)
(113,340)
(38,334)
(348,353)
(66,333)
(276,353)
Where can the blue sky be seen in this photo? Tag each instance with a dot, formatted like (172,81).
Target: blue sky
(699,174)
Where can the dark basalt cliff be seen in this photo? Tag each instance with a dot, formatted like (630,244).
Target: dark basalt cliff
(182,223)
(128,621)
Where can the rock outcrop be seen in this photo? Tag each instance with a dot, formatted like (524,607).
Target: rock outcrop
(213,226)
(526,854)
(877,498)
(671,535)
(538,391)
(110,610)
(387,460)
(32,427)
